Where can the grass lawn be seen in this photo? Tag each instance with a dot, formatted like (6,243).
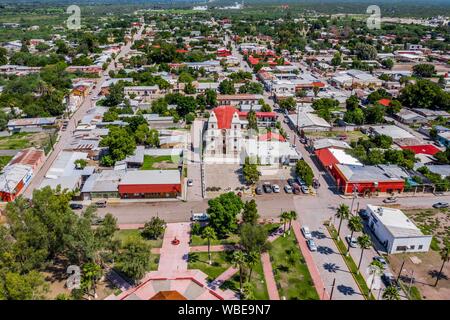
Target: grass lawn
(291,273)
(125,234)
(16,141)
(221,261)
(351,135)
(199,241)
(151,161)
(4,160)
(258,281)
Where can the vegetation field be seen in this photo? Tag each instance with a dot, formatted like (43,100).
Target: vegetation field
(291,273)
(4,161)
(221,261)
(123,235)
(159,162)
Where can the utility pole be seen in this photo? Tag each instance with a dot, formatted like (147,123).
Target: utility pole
(332,288)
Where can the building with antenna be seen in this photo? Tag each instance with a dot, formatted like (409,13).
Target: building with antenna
(395,231)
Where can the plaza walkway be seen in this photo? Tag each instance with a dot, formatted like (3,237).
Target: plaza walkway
(174,257)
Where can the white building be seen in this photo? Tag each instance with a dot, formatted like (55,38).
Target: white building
(395,231)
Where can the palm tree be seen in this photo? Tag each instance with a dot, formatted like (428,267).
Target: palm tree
(375,269)
(391,293)
(284,218)
(91,273)
(364,242)
(238,262)
(251,259)
(209,233)
(343,212)
(292,216)
(355,225)
(247,291)
(445,257)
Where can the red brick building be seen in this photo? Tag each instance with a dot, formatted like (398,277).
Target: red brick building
(144,184)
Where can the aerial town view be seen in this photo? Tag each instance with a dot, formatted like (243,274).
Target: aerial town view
(224,150)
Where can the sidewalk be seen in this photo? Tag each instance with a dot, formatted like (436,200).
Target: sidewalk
(227,274)
(315,275)
(174,257)
(270,279)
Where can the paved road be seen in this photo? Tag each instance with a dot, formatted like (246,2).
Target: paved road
(65,136)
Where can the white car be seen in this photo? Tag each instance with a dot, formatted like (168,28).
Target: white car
(311,245)
(200,217)
(276,188)
(190,182)
(351,241)
(288,189)
(306,232)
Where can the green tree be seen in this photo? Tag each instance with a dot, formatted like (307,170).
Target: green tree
(292,216)
(252,120)
(222,213)
(253,238)
(29,286)
(388,63)
(364,243)
(391,293)
(227,87)
(250,212)
(304,171)
(424,70)
(250,171)
(91,273)
(288,104)
(211,98)
(365,51)
(134,258)
(374,114)
(251,260)
(210,234)
(154,228)
(355,225)
(120,144)
(239,262)
(336,60)
(352,103)
(284,217)
(445,257)
(342,213)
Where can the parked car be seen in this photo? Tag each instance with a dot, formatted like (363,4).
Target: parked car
(306,232)
(288,189)
(97,221)
(311,245)
(300,181)
(390,200)
(267,188)
(190,182)
(276,188)
(296,188)
(259,190)
(351,241)
(76,206)
(381,260)
(100,204)
(200,217)
(304,188)
(440,205)
(364,214)
(290,181)
(286,120)
(389,279)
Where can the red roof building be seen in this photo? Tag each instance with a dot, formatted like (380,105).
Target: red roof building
(424,149)
(253,61)
(144,184)
(271,136)
(224,115)
(385,102)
